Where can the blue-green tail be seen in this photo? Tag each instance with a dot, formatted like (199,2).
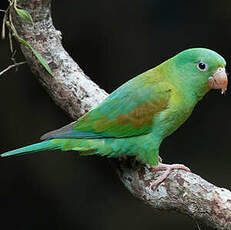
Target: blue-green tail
(45,145)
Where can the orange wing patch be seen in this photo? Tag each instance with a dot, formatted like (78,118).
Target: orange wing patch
(142,114)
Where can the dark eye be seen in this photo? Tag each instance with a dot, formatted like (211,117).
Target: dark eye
(202,66)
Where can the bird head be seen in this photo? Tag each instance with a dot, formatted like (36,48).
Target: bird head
(200,70)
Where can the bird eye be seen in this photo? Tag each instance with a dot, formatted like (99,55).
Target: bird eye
(202,66)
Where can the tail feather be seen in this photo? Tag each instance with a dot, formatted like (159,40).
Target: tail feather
(45,145)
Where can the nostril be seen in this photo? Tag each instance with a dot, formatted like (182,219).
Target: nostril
(220,69)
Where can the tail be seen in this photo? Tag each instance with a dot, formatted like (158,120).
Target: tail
(45,145)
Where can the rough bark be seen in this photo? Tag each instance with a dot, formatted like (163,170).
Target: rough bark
(75,93)
(184,192)
(70,88)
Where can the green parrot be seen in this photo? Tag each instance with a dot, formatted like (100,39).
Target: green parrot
(135,118)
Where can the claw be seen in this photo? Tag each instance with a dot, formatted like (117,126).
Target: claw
(168,168)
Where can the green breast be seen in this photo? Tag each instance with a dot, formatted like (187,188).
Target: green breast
(179,109)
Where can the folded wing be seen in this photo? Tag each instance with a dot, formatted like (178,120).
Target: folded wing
(127,112)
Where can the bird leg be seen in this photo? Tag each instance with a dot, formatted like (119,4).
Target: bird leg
(160,159)
(167,168)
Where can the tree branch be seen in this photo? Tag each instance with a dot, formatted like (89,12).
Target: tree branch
(70,88)
(75,93)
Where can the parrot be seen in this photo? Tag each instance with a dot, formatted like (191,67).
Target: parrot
(135,118)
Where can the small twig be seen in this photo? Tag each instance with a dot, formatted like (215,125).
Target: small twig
(7,16)
(13,56)
(12,66)
(198,226)
(4,24)
(11,42)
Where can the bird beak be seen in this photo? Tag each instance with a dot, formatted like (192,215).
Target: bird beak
(218,80)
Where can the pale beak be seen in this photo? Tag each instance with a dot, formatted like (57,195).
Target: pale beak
(218,80)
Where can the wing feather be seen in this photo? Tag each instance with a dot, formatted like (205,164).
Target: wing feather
(127,112)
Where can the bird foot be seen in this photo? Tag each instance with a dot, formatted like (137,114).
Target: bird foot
(168,169)
(160,159)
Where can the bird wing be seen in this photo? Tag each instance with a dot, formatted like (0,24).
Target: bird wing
(127,112)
